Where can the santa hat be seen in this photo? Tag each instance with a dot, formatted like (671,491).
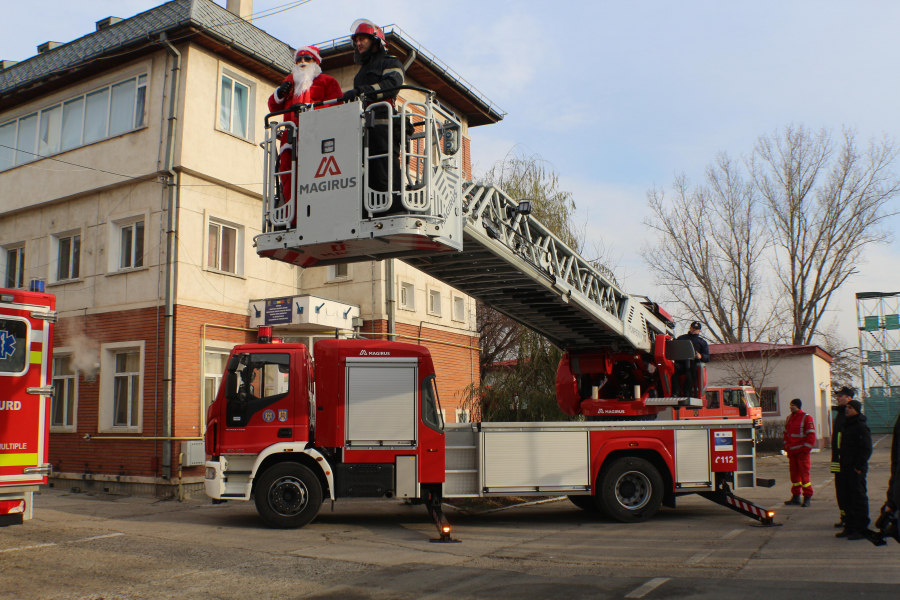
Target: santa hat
(311,51)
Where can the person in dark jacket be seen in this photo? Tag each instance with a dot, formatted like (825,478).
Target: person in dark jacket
(688,367)
(378,71)
(843,396)
(893,493)
(856,448)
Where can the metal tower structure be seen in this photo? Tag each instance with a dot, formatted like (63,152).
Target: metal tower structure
(878,316)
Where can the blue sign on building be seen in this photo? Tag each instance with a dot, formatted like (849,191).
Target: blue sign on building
(278,311)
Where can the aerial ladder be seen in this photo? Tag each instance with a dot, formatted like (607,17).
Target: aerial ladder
(619,349)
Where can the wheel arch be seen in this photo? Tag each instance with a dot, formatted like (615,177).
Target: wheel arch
(310,458)
(656,456)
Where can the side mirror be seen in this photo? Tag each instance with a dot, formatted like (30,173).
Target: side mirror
(231,380)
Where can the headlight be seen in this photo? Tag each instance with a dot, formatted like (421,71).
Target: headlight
(210,472)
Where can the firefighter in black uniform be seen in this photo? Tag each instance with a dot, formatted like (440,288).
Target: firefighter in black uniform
(688,368)
(377,71)
(856,448)
(843,396)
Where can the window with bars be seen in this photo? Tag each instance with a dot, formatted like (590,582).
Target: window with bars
(223,245)
(126,389)
(62,405)
(68,257)
(103,113)
(234,107)
(15,267)
(768,400)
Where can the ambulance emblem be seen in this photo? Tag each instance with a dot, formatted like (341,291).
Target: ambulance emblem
(7,345)
(269,416)
(282,414)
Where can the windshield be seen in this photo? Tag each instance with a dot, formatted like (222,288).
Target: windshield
(752,400)
(431,404)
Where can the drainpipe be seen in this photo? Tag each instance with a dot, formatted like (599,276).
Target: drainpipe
(171,182)
(389,296)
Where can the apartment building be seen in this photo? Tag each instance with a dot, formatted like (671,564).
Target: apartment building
(130,183)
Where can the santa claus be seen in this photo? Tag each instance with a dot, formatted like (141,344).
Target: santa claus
(306,84)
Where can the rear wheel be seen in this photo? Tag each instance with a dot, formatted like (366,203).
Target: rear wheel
(630,489)
(288,495)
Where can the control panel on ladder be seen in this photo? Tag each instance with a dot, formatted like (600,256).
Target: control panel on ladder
(327,208)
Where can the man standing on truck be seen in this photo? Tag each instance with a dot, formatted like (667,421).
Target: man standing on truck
(304,85)
(843,396)
(377,71)
(799,439)
(688,367)
(856,448)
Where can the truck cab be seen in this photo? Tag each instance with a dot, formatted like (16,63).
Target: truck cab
(362,421)
(729,402)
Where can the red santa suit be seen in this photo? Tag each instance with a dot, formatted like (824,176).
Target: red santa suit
(799,439)
(314,86)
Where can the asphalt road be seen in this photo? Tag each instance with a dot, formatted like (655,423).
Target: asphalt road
(117,547)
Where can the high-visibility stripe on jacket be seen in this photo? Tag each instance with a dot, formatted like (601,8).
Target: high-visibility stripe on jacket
(799,433)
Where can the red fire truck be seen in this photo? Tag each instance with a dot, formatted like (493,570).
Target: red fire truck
(728,402)
(26,354)
(365,422)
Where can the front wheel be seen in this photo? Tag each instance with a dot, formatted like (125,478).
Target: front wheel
(288,495)
(630,489)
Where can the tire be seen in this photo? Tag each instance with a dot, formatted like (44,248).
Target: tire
(584,503)
(288,495)
(630,489)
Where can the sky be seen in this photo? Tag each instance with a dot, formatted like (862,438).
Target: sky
(618,96)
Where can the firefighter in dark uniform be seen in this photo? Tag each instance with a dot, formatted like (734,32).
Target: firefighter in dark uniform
(856,448)
(843,396)
(688,368)
(377,71)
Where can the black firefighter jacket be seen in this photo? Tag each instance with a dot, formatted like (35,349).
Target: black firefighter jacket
(378,71)
(856,444)
(893,494)
(837,426)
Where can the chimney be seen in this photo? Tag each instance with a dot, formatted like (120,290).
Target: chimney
(104,23)
(242,8)
(48,46)
(5,64)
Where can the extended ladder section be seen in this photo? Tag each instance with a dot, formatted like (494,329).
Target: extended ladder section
(330,204)
(516,265)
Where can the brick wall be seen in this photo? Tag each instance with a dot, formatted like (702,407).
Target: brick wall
(467,159)
(69,452)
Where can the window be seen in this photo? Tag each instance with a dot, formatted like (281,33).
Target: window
(264,379)
(407,296)
(768,399)
(338,272)
(14,339)
(15,267)
(62,405)
(462,415)
(459,308)
(214,367)
(121,386)
(234,107)
(434,302)
(68,257)
(712,399)
(432,415)
(126,389)
(103,113)
(131,245)
(223,241)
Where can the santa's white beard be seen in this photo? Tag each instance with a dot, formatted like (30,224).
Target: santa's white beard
(304,74)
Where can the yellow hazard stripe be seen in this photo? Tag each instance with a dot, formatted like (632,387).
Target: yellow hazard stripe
(35,357)
(18,460)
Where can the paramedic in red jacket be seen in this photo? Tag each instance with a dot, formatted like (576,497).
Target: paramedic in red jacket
(306,84)
(799,440)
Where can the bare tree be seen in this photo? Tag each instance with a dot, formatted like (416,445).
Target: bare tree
(825,201)
(499,338)
(708,251)
(845,364)
(751,363)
